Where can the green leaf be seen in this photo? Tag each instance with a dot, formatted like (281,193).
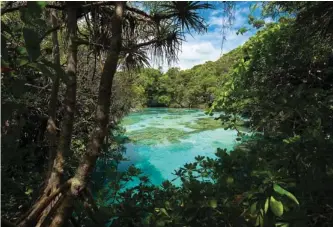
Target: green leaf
(168,205)
(230,180)
(266,205)
(29,191)
(253,208)
(282,191)
(242,31)
(32,43)
(213,203)
(22,61)
(253,7)
(276,207)
(163,211)
(259,221)
(22,50)
(41,4)
(292,139)
(42,68)
(282,224)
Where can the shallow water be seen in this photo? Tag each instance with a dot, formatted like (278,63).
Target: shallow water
(163,140)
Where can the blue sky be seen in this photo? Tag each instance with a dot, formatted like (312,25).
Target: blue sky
(200,48)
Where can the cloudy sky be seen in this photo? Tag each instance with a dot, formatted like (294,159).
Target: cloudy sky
(200,48)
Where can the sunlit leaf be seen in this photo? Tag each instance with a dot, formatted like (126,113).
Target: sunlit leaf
(253,208)
(276,207)
(266,205)
(282,191)
(213,203)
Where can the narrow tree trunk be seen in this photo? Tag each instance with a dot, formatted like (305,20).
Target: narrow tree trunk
(51,123)
(87,164)
(70,96)
(56,176)
(53,180)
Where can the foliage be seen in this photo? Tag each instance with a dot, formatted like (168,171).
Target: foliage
(279,84)
(280,176)
(192,88)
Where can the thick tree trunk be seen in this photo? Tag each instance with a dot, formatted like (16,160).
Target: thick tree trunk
(87,164)
(103,106)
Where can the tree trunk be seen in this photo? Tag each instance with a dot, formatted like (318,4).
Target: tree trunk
(51,123)
(53,180)
(88,162)
(70,96)
(64,142)
(103,106)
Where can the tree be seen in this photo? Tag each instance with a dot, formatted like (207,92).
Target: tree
(162,35)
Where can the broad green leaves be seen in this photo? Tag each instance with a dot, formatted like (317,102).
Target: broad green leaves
(282,191)
(276,206)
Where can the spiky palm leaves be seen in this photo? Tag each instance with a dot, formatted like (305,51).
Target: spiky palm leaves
(186,14)
(157,35)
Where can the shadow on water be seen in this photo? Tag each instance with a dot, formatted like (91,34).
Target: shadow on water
(141,162)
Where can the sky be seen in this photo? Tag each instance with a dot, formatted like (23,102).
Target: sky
(200,48)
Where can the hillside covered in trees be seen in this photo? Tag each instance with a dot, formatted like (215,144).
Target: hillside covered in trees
(176,88)
(72,70)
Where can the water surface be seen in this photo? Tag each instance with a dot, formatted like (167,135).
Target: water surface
(162,140)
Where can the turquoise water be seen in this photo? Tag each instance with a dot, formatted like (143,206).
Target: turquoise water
(162,140)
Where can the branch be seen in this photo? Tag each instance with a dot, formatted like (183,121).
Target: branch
(51,212)
(42,204)
(48,32)
(5,9)
(12,9)
(89,207)
(139,45)
(37,87)
(140,12)
(128,49)
(85,42)
(94,4)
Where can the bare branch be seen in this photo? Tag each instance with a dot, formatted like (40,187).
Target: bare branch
(37,87)
(140,12)
(42,204)
(48,32)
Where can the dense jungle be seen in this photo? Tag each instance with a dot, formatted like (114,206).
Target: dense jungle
(94,133)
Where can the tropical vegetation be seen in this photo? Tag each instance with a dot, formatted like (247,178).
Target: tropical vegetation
(71,70)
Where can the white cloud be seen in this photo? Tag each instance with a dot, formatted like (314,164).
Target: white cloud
(207,47)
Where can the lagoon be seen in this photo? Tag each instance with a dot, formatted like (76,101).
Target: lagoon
(162,140)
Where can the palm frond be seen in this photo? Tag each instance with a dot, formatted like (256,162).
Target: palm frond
(134,60)
(167,46)
(186,14)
